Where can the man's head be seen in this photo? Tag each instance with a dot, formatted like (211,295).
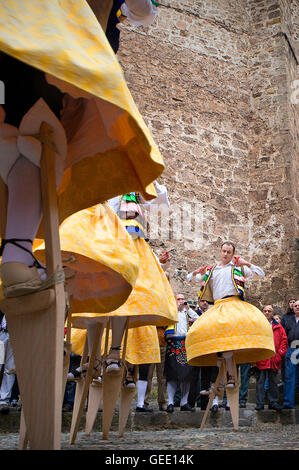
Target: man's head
(268,312)
(296,308)
(227,252)
(203,305)
(180,299)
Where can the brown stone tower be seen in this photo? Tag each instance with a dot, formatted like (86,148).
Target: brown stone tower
(217,82)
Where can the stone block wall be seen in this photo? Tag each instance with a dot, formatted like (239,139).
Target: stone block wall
(212,80)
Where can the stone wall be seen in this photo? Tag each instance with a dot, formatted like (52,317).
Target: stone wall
(213,81)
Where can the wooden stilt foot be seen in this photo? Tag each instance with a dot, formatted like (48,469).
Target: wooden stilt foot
(111,388)
(36,343)
(23,438)
(84,384)
(126,397)
(95,401)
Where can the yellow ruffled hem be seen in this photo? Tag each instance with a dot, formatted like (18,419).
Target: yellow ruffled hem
(100,257)
(230,325)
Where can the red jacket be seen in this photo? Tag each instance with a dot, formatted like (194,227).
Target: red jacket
(281,346)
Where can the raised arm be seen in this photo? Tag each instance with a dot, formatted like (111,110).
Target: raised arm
(161,199)
(249,268)
(139,12)
(197,274)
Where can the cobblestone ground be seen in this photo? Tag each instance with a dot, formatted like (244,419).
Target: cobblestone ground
(270,438)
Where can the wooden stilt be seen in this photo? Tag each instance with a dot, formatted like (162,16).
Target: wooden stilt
(84,384)
(36,327)
(125,401)
(212,396)
(232,395)
(95,400)
(67,351)
(233,398)
(111,389)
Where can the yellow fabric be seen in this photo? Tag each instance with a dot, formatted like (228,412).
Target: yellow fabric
(110,149)
(101,258)
(142,344)
(230,325)
(152,301)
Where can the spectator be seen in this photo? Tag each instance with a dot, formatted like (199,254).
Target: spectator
(277,317)
(9,366)
(244,384)
(141,388)
(290,322)
(290,309)
(269,367)
(202,306)
(176,369)
(70,388)
(159,367)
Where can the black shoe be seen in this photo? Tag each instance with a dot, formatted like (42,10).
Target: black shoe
(4,409)
(170,409)
(275,407)
(259,407)
(187,407)
(286,407)
(242,405)
(67,408)
(143,409)
(214,409)
(227,408)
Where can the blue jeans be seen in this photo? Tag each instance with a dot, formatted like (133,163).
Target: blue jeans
(243,391)
(291,371)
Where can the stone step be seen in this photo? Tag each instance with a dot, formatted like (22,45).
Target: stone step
(178,419)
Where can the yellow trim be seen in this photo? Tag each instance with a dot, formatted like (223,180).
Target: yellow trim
(201,293)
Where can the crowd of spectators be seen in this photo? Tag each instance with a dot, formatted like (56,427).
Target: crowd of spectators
(185,386)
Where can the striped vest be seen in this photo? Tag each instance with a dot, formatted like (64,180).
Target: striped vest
(131,215)
(238,279)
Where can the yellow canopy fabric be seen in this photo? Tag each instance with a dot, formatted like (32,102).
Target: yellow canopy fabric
(101,259)
(110,149)
(142,344)
(151,301)
(230,325)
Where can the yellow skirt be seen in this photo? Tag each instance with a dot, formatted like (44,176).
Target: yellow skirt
(110,149)
(142,344)
(151,302)
(230,325)
(101,259)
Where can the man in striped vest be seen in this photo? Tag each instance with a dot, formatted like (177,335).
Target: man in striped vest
(231,324)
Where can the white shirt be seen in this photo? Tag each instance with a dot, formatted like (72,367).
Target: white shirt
(182,324)
(221,279)
(161,199)
(139,12)
(3,323)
